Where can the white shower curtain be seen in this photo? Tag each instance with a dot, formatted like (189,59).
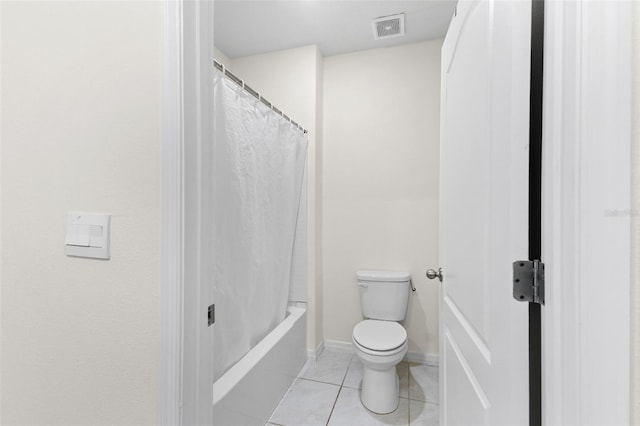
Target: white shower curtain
(259,160)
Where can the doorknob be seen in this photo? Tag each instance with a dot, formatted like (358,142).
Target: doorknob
(432,274)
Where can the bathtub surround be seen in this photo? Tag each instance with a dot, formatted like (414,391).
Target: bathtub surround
(81,129)
(381,136)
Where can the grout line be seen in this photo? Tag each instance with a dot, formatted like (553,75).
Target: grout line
(408,380)
(334,406)
(346,371)
(422,400)
(409,394)
(345,386)
(281,400)
(319,381)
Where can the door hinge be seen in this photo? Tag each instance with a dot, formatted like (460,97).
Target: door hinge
(211,315)
(528,281)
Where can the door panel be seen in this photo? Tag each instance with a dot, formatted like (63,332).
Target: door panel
(467,107)
(484,213)
(468,391)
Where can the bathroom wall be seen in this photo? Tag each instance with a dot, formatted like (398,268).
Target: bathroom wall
(221,57)
(635,223)
(292,81)
(81,130)
(380,165)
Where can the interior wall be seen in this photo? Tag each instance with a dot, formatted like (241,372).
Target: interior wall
(317,274)
(81,130)
(221,57)
(635,223)
(381,150)
(292,81)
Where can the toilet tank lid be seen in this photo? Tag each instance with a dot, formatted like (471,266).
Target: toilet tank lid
(383,276)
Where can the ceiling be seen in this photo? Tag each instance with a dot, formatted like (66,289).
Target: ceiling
(244,28)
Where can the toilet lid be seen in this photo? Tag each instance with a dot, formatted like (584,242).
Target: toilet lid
(379,335)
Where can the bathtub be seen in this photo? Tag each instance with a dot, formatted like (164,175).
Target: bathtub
(249,391)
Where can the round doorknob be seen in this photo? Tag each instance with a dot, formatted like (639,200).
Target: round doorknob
(432,274)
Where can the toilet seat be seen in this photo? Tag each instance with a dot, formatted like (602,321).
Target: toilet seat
(379,337)
(379,354)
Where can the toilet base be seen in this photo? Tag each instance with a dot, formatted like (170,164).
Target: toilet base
(380,384)
(380,390)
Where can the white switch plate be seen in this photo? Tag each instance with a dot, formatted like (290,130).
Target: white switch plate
(87,235)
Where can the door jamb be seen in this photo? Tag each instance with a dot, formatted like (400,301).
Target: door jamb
(536,101)
(171,275)
(185,391)
(586,212)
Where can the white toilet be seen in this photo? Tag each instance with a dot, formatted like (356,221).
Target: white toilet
(380,341)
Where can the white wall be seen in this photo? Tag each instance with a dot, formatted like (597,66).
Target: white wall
(292,81)
(221,57)
(380,165)
(81,130)
(635,224)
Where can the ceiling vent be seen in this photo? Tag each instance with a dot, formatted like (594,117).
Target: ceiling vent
(388,26)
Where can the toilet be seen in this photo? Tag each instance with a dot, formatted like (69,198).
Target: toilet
(379,340)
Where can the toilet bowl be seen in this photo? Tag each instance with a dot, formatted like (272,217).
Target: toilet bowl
(380,345)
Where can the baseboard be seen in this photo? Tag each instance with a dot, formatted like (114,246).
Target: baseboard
(339,346)
(417,357)
(420,358)
(314,354)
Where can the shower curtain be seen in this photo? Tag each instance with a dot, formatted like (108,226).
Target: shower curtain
(259,161)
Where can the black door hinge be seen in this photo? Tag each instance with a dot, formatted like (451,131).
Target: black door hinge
(211,315)
(528,281)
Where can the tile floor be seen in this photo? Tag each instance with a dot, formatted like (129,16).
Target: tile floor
(327,392)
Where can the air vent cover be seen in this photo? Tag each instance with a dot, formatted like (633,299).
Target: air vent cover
(388,26)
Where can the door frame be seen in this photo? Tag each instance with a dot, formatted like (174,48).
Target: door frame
(185,377)
(580,66)
(586,212)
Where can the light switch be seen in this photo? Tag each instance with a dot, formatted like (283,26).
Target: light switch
(96,237)
(87,235)
(77,235)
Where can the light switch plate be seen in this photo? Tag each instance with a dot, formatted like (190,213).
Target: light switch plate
(88,235)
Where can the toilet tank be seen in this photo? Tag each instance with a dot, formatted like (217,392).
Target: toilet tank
(384,295)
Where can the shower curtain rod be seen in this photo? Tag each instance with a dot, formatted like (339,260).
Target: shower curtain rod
(255,94)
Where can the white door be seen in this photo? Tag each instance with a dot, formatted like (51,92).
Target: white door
(484,213)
